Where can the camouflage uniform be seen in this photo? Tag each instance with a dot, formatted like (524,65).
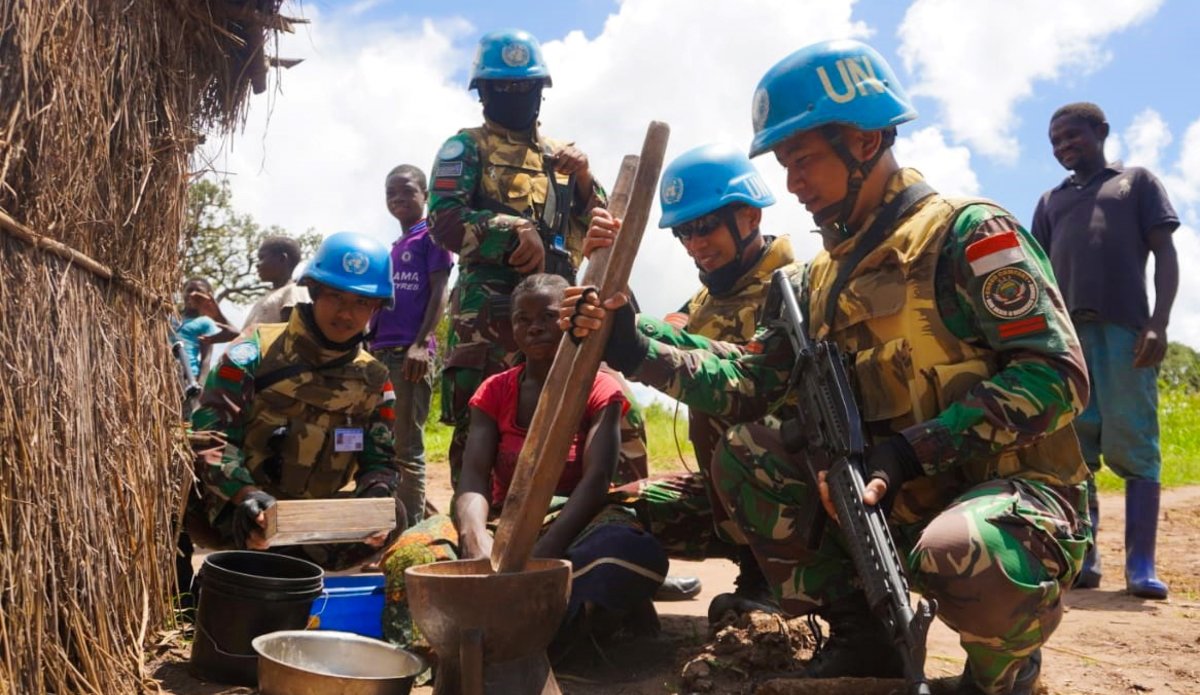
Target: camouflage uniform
(672,506)
(282,439)
(977,366)
(478,171)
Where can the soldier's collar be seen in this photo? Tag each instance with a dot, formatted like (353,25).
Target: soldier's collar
(517,137)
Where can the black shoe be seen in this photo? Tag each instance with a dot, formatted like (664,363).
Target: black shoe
(738,604)
(751,592)
(858,645)
(1087,579)
(678,589)
(1025,682)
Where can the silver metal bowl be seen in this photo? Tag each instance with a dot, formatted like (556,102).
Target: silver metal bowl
(304,662)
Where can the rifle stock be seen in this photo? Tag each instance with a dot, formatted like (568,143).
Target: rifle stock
(827,431)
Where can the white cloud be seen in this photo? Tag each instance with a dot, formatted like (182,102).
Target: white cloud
(1146,137)
(946,167)
(370,96)
(367,97)
(978,59)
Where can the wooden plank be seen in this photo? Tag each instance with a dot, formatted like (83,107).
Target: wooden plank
(301,522)
(561,405)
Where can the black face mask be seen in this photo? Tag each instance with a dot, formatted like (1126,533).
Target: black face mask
(513,110)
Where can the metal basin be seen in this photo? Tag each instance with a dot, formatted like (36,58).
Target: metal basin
(300,662)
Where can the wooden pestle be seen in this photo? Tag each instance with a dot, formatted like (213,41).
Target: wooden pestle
(555,420)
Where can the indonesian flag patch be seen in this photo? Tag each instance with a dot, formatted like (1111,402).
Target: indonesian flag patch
(994,252)
(389,393)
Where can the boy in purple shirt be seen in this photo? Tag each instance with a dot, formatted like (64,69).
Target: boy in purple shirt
(1099,227)
(403,336)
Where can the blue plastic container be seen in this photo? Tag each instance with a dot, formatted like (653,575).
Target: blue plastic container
(352,603)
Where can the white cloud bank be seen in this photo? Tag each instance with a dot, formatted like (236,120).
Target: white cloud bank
(979,58)
(370,96)
(1146,139)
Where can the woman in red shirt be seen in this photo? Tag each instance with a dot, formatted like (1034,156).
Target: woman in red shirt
(617,566)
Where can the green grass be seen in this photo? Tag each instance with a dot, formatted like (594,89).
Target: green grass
(1179,431)
(1179,422)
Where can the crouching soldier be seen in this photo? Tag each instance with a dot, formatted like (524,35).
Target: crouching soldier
(298,410)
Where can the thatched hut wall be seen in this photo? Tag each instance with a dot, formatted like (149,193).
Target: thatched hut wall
(101,104)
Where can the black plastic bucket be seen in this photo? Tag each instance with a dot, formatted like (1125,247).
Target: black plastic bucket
(244,594)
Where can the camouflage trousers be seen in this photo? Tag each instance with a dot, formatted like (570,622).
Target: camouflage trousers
(997,559)
(459,384)
(677,510)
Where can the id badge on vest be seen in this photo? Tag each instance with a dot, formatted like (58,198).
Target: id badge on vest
(346,439)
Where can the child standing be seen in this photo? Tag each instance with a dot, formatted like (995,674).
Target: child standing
(403,335)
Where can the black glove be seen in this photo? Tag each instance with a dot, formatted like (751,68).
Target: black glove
(894,462)
(245,515)
(626,346)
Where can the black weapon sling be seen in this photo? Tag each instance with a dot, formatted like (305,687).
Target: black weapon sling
(266,381)
(896,208)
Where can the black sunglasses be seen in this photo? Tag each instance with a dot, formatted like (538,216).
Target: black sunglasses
(699,227)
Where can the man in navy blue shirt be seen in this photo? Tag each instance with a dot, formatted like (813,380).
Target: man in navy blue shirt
(1099,227)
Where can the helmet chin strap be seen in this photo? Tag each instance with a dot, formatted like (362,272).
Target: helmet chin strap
(834,219)
(722,279)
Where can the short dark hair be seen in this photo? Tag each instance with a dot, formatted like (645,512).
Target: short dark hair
(284,245)
(549,283)
(200,281)
(412,172)
(1091,114)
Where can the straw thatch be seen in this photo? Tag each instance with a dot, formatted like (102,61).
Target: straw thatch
(101,104)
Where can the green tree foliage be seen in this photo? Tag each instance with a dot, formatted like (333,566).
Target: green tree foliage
(221,245)
(1180,369)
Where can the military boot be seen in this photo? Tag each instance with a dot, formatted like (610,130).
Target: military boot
(1025,681)
(1089,575)
(751,592)
(858,645)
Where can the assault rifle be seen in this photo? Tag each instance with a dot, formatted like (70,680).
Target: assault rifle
(827,431)
(552,225)
(556,216)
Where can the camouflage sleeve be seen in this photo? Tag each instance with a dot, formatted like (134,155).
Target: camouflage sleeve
(734,384)
(377,462)
(667,334)
(218,425)
(1007,300)
(477,236)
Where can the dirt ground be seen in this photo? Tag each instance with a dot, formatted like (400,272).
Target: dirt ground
(1108,643)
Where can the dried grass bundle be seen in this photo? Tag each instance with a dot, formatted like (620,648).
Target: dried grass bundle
(101,104)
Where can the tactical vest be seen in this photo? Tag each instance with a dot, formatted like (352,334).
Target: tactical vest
(734,317)
(291,425)
(907,365)
(513,174)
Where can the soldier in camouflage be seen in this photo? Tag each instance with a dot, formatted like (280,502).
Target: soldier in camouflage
(297,410)
(510,202)
(968,375)
(712,199)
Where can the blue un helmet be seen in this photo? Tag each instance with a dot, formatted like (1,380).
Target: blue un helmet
(822,87)
(707,178)
(832,82)
(354,263)
(509,54)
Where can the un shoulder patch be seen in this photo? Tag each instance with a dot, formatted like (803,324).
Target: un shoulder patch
(243,354)
(453,149)
(1010,293)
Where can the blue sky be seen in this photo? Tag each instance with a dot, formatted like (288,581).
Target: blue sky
(384,82)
